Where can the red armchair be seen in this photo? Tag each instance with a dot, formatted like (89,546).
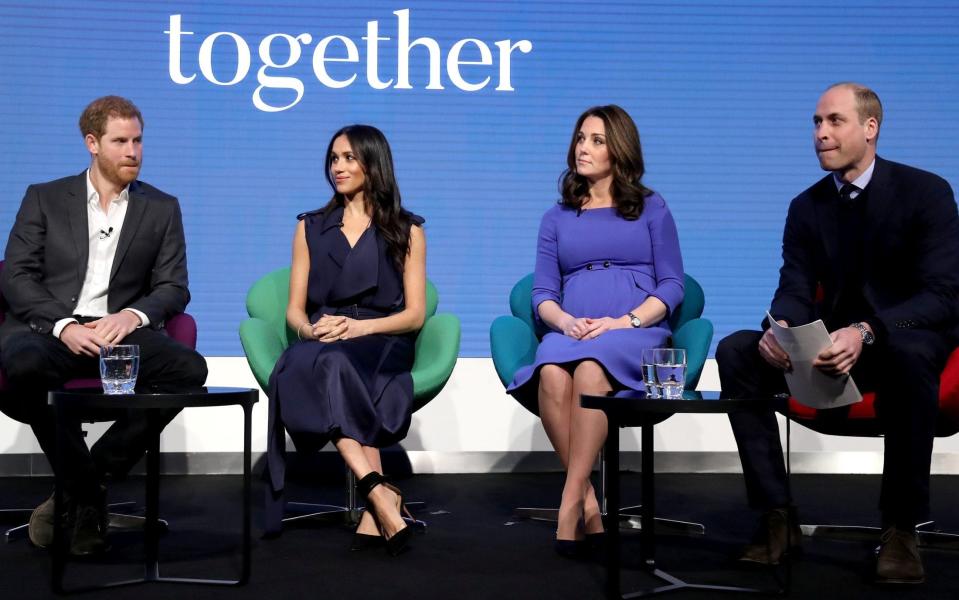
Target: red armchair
(861,421)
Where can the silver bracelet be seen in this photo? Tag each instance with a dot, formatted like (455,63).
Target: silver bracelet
(300,328)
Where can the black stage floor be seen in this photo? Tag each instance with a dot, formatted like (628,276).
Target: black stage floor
(473,548)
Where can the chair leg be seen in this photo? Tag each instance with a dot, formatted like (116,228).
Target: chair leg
(15,515)
(346,515)
(629,516)
(119,521)
(929,536)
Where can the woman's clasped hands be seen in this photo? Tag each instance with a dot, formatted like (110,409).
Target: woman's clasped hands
(332,328)
(586,328)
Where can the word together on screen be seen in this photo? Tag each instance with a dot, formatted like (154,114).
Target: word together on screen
(470,62)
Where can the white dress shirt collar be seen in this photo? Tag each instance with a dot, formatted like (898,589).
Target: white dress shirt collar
(860,182)
(93,196)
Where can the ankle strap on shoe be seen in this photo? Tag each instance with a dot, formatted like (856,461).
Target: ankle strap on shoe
(370,480)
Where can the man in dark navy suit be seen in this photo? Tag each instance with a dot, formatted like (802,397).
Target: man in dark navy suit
(879,243)
(95,259)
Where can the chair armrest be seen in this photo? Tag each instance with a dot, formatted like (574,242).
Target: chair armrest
(512,344)
(262,348)
(182,328)
(695,336)
(437,347)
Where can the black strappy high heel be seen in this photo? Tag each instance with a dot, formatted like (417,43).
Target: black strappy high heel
(396,543)
(365,541)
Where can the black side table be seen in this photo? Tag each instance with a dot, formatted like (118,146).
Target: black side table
(629,409)
(72,404)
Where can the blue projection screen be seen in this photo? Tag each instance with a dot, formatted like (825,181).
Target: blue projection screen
(478,100)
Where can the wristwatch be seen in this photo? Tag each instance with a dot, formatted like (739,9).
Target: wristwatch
(867,337)
(634,320)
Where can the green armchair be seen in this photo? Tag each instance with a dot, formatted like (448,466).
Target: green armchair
(265,335)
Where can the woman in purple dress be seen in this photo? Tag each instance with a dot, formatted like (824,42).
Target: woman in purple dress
(608,274)
(357,297)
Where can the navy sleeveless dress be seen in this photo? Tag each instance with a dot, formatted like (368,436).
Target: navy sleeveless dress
(360,388)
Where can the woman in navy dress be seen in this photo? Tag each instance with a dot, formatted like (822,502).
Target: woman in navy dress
(608,274)
(357,299)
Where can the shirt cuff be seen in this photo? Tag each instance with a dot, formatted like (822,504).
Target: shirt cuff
(144,320)
(59,325)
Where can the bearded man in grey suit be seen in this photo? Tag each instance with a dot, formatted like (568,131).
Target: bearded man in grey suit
(94,260)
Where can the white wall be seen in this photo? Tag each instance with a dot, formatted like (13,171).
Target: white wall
(473,417)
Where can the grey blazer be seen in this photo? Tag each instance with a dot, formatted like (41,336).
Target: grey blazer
(46,256)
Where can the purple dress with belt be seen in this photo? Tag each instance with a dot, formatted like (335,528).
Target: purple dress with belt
(594,263)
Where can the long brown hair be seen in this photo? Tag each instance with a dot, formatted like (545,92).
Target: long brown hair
(380,189)
(626,160)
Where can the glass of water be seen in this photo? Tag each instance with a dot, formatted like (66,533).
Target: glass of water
(119,366)
(671,371)
(649,373)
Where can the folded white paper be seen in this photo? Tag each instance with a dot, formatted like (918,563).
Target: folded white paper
(807,384)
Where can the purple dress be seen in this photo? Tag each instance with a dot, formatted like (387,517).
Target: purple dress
(595,263)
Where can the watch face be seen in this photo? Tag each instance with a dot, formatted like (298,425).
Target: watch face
(635,322)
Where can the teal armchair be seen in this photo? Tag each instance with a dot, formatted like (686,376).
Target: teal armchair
(265,335)
(514,339)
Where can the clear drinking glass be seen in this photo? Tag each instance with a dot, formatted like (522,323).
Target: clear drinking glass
(119,366)
(649,373)
(671,371)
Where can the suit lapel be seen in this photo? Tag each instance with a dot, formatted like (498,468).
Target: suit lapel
(136,207)
(877,207)
(77,214)
(827,216)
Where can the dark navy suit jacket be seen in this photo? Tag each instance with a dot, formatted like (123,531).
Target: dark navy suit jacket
(910,260)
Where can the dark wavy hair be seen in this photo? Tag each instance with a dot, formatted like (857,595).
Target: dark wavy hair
(626,161)
(380,189)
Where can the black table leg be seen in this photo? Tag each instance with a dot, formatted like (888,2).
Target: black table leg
(59,535)
(247,510)
(151,541)
(647,518)
(247,460)
(647,535)
(611,459)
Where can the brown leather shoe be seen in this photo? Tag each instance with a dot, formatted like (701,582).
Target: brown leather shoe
(899,560)
(88,536)
(770,543)
(40,526)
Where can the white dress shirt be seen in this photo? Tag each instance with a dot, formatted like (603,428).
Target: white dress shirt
(860,182)
(103,233)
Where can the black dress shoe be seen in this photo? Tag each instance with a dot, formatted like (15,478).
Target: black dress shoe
(364,541)
(570,548)
(88,530)
(778,533)
(596,545)
(899,560)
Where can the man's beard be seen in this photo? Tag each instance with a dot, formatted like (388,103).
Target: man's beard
(116,174)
